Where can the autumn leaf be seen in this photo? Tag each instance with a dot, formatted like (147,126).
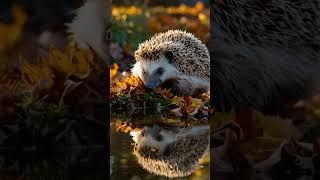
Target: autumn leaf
(121,84)
(186,109)
(114,71)
(10,34)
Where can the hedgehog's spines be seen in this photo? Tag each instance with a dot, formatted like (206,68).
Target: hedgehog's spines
(191,55)
(176,162)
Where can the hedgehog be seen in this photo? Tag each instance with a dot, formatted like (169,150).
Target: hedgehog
(265,57)
(172,153)
(174,60)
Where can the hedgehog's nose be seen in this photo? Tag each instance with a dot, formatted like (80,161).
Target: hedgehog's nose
(151,85)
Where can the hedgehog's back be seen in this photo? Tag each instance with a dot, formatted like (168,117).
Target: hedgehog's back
(265,52)
(293,24)
(191,56)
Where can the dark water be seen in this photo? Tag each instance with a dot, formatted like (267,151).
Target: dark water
(81,163)
(124,157)
(79,154)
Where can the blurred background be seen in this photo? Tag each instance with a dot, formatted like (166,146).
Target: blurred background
(136,21)
(46,130)
(159,2)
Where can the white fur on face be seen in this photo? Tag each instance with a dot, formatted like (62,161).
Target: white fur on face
(168,137)
(151,66)
(187,85)
(148,140)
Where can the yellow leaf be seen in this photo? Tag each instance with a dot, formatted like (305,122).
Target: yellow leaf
(114,71)
(10,34)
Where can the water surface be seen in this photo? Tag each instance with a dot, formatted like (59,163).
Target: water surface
(142,148)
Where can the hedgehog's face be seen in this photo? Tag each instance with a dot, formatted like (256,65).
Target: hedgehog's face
(176,155)
(153,137)
(154,73)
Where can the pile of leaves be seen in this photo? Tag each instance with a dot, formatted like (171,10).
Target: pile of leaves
(128,94)
(67,62)
(44,96)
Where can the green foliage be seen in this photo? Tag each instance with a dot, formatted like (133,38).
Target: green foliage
(128,30)
(155,100)
(148,100)
(45,117)
(123,101)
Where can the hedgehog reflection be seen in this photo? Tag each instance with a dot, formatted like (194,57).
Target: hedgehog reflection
(170,152)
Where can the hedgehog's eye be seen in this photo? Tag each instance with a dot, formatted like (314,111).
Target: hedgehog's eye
(158,138)
(160,71)
(142,133)
(143,72)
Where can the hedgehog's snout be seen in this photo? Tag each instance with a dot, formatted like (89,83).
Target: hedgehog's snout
(151,84)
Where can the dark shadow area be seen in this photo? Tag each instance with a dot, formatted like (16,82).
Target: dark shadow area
(265,89)
(53,89)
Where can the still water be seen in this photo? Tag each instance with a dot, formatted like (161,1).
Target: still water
(142,149)
(79,154)
(78,163)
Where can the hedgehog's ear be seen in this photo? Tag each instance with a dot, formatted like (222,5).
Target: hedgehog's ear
(169,56)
